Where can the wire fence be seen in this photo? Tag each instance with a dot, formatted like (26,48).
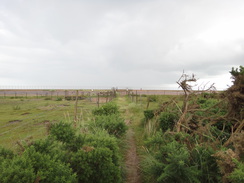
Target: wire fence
(25,93)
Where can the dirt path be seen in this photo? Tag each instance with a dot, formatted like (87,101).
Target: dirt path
(131,157)
(132,160)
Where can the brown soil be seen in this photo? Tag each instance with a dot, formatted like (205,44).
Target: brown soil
(15,121)
(132,160)
(25,113)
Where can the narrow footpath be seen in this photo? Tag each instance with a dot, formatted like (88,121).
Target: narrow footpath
(131,158)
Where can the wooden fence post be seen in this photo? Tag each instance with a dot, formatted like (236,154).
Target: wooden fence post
(136,97)
(140,99)
(76,104)
(107,93)
(89,95)
(98,100)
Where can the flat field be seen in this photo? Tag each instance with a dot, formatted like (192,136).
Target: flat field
(23,118)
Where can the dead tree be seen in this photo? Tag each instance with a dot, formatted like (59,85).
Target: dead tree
(185,83)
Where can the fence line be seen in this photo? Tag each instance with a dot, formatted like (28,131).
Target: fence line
(25,93)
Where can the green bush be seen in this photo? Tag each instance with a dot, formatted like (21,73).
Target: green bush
(76,144)
(94,157)
(149,114)
(63,132)
(33,166)
(106,109)
(203,158)
(59,99)
(114,124)
(17,170)
(6,153)
(68,98)
(49,170)
(167,120)
(237,176)
(172,164)
(50,147)
(95,165)
(101,139)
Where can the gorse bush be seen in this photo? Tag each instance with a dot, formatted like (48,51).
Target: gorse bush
(114,124)
(51,147)
(76,143)
(167,120)
(173,159)
(101,139)
(172,164)
(62,132)
(204,160)
(95,165)
(65,156)
(48,169)
(237,176)
(6,153)
(149,114)
(106,109)
(34,166)
(18,170)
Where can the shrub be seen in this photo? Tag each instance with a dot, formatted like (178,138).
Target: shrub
(62,132)
(106,109)
(59,99)
(167,120)
(172,164)
(48,169)
(237,176)
(68,98)
(6,153)
(50,147)
(203,158)
(149,114)
(101,139)
(113,124)
(76,144)
(94,165)
(17,170)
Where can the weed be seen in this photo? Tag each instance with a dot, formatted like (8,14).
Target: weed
(17,107)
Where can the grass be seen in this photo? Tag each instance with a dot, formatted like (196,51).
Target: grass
(28,117)
(23,118)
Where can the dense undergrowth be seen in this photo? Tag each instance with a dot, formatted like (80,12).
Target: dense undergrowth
(198,138)
(89,154)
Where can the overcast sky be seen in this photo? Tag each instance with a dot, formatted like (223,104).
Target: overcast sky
(119,43)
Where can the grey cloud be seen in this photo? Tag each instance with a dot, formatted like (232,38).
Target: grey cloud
(123,43)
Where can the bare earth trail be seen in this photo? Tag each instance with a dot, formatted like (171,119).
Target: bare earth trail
(131,159)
